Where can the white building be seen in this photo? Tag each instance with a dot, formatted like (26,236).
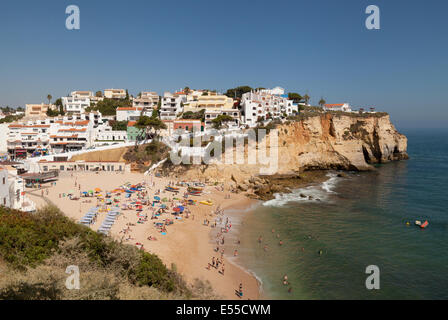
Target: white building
(75,104)
(105,134)
(172,106)
(3,137)
(148,101)
(213,113)
(115,93)
(52,135)
(345,107)
(130,113)
(12,191)
(263,104)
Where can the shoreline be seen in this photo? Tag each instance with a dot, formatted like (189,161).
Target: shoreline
(187,244)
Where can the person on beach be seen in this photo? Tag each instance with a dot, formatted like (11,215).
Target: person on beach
(235,253)
(285,280)
(280,243)
(260,239)
(240,290)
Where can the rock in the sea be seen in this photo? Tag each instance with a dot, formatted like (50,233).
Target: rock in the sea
(302,195)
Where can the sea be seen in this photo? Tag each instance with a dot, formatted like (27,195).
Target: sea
(351,223)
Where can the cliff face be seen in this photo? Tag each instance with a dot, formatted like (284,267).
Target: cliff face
(347,142)
(319,142)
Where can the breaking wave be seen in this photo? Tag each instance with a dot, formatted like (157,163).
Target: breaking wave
(316,193)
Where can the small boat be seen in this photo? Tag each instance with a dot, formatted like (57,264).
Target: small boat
(195,189)
(418,223)
(172,189)
(208,202)
(424,224)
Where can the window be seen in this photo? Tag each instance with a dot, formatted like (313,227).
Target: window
(4,201)
(4,180)
(61,168)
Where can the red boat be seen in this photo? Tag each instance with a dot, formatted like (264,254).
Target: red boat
(424,224)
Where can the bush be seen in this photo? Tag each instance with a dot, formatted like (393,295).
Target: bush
(47,239)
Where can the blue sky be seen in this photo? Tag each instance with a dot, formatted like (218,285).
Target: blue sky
(317,47)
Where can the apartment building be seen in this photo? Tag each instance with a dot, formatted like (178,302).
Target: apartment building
(171,106)
(148,101)
(266,104)
(52,135)
(76,103)
(27,139)
(115,93)
(209,102)
(38,110)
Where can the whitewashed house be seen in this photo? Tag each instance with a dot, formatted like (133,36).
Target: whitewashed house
(266,104)
(171,106)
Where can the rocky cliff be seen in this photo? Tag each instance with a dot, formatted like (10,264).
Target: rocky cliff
(327,141)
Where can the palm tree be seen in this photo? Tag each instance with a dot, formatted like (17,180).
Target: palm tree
(49,97)
(306,98)
(322,102)
(187,90)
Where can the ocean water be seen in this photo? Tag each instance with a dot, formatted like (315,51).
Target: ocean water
(359,220)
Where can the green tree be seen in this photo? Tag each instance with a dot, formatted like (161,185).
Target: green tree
(187,90)
(220,120)
(147,125)
(118,125)
(238,91)
(322,102)
(49,97)
(59,106)
(98,94)
(295,97)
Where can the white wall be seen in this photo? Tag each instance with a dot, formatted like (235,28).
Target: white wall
(3,136)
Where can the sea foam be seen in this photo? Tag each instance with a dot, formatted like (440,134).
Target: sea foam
(312,193)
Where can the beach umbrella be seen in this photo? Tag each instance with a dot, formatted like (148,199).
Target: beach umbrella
(157,198)
(90,191)
(97,190)
(177,209)
(181,208)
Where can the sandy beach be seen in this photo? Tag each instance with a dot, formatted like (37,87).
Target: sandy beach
(189,243)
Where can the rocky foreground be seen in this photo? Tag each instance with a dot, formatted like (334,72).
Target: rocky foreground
(309,146)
